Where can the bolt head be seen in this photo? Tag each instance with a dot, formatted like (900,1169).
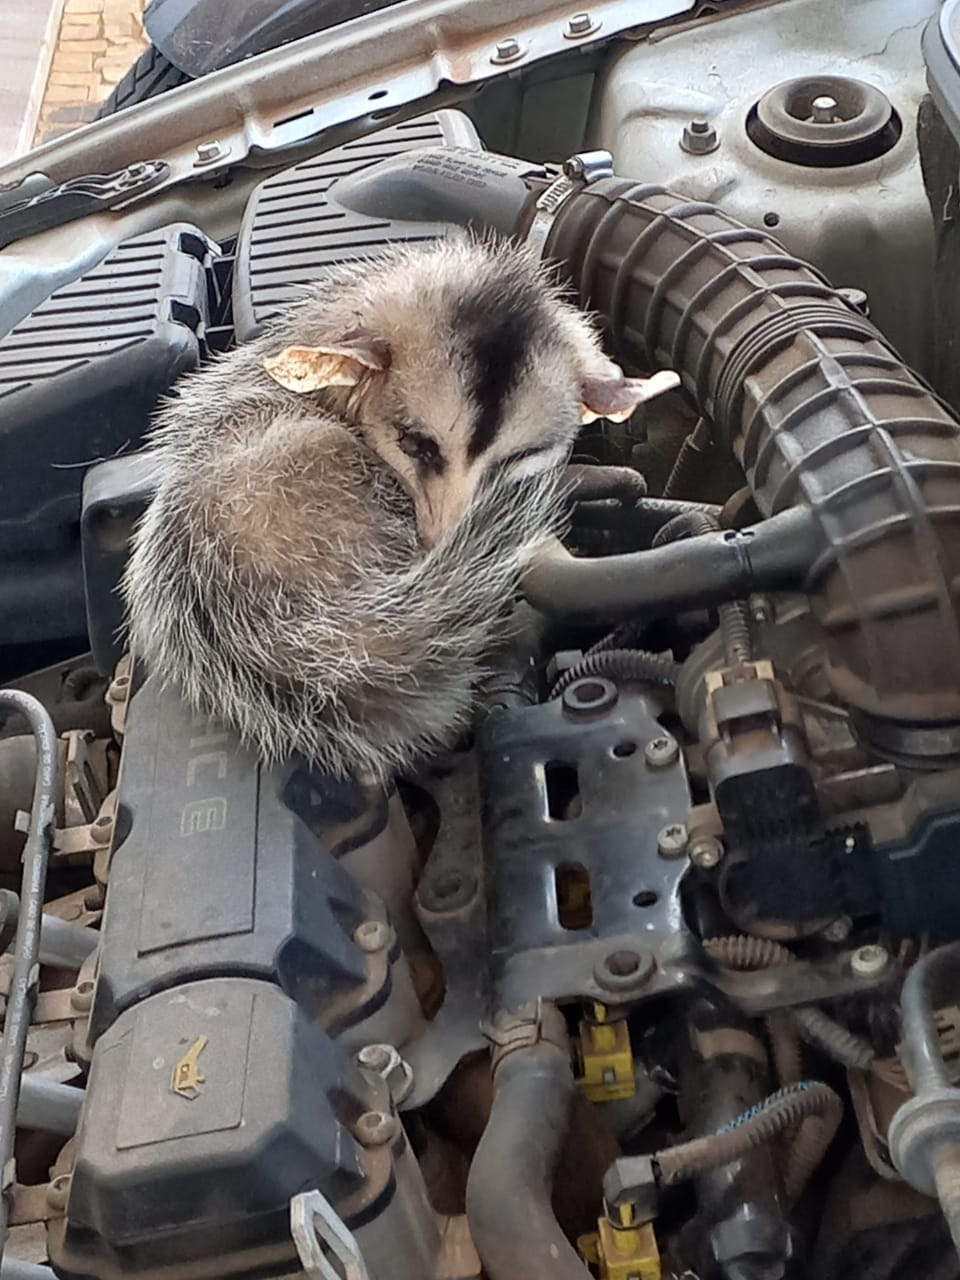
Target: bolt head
(824,109)
(373,936)
(508,50)
(699,138)
(376,1128)
(869,961)
(672,840)
(661,752)
(581,24)
(207,151)
(375,1057)
(838,930)
(706,852)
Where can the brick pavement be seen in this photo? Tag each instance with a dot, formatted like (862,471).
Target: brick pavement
(98,42)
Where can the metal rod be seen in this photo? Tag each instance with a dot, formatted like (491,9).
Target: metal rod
(49,1106)
(27,946)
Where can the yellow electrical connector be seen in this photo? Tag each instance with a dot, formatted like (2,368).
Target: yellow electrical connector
(622,1251)
(606,1057)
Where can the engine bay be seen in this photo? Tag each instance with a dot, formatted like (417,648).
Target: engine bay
(653,974)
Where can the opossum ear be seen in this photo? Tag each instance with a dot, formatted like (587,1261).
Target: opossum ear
(617,397)
(341,364)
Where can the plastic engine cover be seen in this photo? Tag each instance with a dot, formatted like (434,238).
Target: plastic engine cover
(208,1108)
(212,875)
(79,379)
(295,226)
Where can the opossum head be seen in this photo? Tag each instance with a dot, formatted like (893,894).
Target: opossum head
(459,365)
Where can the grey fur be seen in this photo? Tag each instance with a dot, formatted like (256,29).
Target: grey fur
(276,578)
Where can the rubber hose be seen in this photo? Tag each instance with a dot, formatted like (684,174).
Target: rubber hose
(805,1154)
(920,1052)
(587,483)
(811,400)
(782,1110)
(510,1184)
(637,665)
(689,524)
(772,556)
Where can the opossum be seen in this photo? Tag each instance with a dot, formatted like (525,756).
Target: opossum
(344,504)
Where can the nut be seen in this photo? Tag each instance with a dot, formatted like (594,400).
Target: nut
(824,109)
(869,961)
(508,50)
(672,841)
(624,970)
(373,936)
(699,138)
(661,752)
(705,852)
(376,1128)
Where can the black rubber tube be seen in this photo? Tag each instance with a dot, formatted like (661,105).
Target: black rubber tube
(921,1053)
(509,1189)
(697,572)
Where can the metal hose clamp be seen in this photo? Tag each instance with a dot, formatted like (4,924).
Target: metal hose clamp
(576,175)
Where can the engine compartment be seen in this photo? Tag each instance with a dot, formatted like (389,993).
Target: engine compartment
(615,985)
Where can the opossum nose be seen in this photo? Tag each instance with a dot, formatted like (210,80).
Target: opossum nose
(437,515)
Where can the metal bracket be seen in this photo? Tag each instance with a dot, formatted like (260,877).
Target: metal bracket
(316,1226)
(76,198)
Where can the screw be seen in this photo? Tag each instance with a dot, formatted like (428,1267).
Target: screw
(699,138)
(672,841)
(761,610)
(824,110)
(373,936)
(508,50)
(103,826)
(869,961)
(377,1128)
(207,152)
(580,25)
(661,752)
(705,852)
(838,930)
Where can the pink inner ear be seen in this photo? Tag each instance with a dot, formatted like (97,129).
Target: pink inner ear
(618,397)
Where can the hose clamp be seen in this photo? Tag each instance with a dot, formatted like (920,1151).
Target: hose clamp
(577,173)
(523,1030)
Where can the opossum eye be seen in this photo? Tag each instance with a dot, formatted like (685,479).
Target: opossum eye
(420,447)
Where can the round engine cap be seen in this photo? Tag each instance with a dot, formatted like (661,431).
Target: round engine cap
(824,122)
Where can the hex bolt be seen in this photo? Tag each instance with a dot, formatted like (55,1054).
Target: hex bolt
(705,852)
(375,1057)
(869,961)
(672,841)
(580,25)
(373,936)
(824,109)
(376,1128)
(838,930)
(207,152)
(508,50)
(699,138)
(661,752)
(386,1062)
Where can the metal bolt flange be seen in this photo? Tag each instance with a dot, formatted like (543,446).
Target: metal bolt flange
(869,961)
(386,1062)
(580,25)
(373,936)
(508,50)
(376,1128)
(661,752)
(672,840)
(699,138)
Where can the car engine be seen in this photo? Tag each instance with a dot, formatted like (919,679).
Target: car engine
(656,973)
